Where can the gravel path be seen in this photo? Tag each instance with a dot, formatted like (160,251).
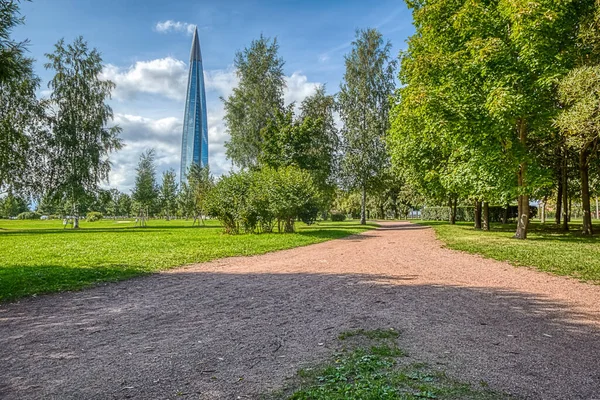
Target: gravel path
(237,327)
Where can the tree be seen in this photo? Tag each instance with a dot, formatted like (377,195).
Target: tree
(124,205)
(81,140)
(22,123)
(364,107)
(11,206)
(200,184)
(479,90)
(145,191)
(304,143)
(255,101)
(580,121)
(11,52)
(168,194)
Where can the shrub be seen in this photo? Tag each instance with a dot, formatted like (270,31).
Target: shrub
(338,216)
(93,216)
(251,201)
(29,215)
(227,202)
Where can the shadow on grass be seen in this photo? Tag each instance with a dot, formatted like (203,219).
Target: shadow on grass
(206,330)
(536,231)
(17,282)
(84,230)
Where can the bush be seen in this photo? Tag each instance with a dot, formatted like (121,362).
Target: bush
(227,202)
(251,201)
(29,215)
(338,216)
(93,216)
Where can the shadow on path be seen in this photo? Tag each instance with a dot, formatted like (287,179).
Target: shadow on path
(223,335)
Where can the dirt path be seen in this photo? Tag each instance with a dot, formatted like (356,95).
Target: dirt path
(237,327)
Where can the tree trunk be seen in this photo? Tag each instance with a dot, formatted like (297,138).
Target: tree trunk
(486,216)
(452,206)
(565,193)
(505,216)
(543,205)
(585,192)
(559,188)
(523,201)
(477,214)
(558,204)
(363,207)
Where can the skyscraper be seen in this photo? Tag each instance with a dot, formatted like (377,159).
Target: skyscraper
(194,143)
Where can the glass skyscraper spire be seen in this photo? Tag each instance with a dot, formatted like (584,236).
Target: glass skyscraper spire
(194,144)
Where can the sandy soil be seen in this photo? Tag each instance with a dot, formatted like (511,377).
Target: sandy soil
(237,327)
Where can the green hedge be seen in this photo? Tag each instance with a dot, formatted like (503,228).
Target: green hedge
(467,213)
(338,216)
(29,215)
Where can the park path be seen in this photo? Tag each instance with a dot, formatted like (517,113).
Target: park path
(237,327)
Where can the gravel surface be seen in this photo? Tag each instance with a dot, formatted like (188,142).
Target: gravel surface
(237,327)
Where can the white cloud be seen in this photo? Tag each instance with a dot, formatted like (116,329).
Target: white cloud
(167,77)
(174,26)
(164,76)
(298,88)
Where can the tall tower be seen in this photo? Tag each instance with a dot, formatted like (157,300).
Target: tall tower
(194,143)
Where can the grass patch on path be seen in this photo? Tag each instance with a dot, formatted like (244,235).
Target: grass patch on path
(370,365)
(40,257)
(546,248)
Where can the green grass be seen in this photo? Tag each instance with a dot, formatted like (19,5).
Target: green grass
(40,257)
(372,367)
(546,248)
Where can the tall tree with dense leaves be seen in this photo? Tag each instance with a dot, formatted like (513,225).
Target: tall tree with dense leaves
(168,194)
(304,143)
(22,123)
(145,191)
(580,93)
(364,107)
(255,101)
(200,183)
(11,51)
(81,140)
(480,80)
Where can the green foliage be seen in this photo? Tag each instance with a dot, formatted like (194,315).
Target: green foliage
(364,106)
(81,140)
(94,216)
(42,257)
(372,367)
(167,196)
(196,191)
(249,200)
(228,202)
(22,131)
(256,100)
(474,117)
(145,191)
(467,213)
(11,206)
(338,216)
(29,215)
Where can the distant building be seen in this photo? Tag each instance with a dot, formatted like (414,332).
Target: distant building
(194,144)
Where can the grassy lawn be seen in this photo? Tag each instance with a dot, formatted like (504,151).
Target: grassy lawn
(370,365)
(40,257)
(546,248)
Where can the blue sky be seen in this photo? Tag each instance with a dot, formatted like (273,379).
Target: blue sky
(148,61)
